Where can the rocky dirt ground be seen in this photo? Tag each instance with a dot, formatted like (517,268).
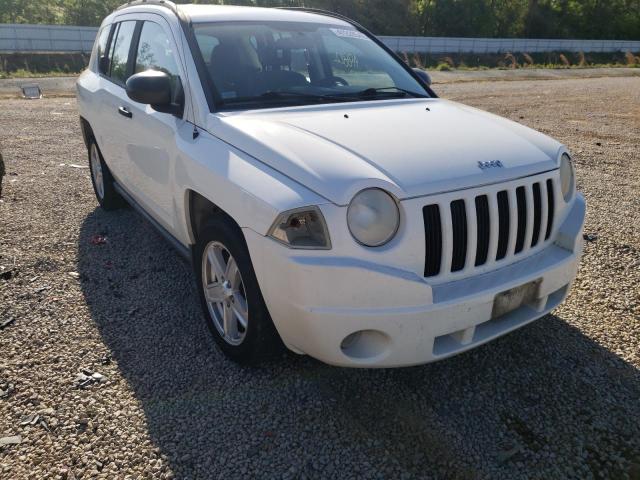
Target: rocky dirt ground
(107,369)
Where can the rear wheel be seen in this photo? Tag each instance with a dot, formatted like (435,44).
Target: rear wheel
(230,296)
(102,180)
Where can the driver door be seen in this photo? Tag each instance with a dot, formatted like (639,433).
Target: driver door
(153,150)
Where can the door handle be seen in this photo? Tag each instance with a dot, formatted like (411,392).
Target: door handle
(125,112)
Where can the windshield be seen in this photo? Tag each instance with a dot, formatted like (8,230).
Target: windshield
(269,64)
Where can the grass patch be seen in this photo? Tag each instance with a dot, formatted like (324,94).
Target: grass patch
(28,74)
(505,61)
(21,65)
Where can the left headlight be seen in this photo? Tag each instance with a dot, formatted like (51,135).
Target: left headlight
(567,177)
(373,217)
(301,228)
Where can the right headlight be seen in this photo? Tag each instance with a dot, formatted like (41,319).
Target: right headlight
(567,178)
(373,217)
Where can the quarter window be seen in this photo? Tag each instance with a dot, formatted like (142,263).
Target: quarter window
(120,52)
(101,53)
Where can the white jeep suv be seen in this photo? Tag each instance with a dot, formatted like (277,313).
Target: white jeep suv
(328,200)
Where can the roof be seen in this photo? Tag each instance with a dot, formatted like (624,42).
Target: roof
(228,13)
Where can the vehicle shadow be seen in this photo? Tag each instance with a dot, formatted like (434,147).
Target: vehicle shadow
(544,400)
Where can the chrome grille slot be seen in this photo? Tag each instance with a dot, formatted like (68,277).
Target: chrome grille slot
(483,220)
(522,218)
(537,213)
(551,204)
(459,224)
(503,232)
(433,239)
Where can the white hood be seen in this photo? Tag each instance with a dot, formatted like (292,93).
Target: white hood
(410,147)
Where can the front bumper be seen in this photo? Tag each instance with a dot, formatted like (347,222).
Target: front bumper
(318,302)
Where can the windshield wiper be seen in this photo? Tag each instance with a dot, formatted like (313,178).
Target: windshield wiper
(401,92)
(279,94)
(291,95)
(286,96)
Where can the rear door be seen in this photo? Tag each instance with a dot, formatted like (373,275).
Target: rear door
(90,91)
(152,151)
(115,108)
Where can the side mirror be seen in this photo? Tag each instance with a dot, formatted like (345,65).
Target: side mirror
(424,76)
(153,87)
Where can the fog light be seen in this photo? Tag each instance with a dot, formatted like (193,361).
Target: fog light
(365,344)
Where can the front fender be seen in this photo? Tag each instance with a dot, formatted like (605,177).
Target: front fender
(249,191)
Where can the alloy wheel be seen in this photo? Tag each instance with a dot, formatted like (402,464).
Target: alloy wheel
(96,171)
(224,293)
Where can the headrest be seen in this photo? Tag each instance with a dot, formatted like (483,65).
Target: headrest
(276,55)
(232,54)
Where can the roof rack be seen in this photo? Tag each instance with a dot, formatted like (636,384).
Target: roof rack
(326,13)
(162,3)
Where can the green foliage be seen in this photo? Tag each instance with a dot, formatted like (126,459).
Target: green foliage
(470,61)
(597,19)
(31,11)
(37,64)
(87,12)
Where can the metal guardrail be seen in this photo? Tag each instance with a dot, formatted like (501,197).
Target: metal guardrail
(68,39)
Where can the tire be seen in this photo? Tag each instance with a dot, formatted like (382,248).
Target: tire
(234,300)
(102,180)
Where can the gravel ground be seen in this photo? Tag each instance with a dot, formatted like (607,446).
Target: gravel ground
(107,370)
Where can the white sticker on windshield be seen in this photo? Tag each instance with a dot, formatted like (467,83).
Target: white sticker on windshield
(341,32)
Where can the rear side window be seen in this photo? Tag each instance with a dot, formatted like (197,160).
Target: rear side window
(120,51)
(155,52)
(101,52)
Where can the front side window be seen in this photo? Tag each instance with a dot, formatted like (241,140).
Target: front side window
(268,64)
(155,52)
(120,51)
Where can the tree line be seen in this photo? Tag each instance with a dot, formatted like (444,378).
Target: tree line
(584,19)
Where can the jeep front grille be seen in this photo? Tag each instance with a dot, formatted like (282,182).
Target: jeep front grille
(482,228)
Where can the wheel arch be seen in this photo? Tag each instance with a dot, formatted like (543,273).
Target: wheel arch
(199,210)
(87,131)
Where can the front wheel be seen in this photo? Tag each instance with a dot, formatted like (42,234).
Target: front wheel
(230,296)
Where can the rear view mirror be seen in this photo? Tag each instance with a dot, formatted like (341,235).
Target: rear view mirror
(424,76)
(153,87)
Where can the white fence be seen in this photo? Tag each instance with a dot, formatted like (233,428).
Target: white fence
(49,38)
(502,45)
(46,38)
